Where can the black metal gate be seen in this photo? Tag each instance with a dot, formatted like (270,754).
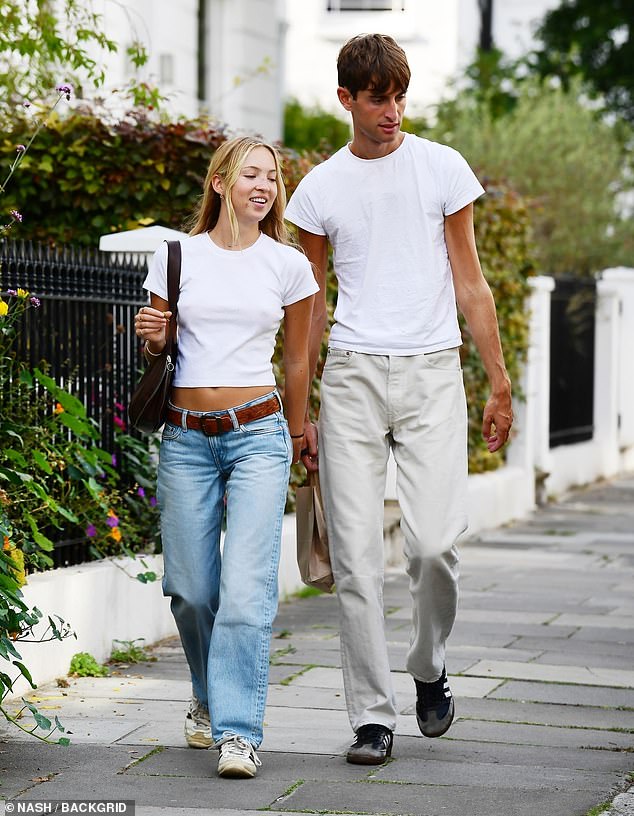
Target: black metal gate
(84,328)
(572,329)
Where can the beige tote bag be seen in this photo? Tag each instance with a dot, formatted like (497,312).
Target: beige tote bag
(313,557)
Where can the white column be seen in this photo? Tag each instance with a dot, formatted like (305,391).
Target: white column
(530,446)
(614,378)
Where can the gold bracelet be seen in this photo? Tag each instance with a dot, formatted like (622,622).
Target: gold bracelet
(151,353)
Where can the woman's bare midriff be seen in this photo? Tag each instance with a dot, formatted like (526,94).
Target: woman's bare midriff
(217,399)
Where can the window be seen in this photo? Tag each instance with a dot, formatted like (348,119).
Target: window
(366,5)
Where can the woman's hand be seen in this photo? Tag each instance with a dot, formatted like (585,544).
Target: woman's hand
(297,449)
(151,325)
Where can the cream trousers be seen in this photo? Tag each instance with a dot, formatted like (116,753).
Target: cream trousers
(416,407)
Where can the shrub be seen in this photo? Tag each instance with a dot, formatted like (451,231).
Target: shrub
(313,128)
(57,482)
(570,166)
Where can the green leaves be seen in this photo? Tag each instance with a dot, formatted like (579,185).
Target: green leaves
(103,176)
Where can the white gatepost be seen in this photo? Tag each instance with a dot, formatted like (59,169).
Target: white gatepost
(138,243)
(606,386)
(530,446)
(615,337)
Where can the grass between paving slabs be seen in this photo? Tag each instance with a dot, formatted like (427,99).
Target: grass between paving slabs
(158,750)
(276,658)
(290,790)
(286,681)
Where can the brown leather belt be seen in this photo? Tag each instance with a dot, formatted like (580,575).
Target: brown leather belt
(219,422)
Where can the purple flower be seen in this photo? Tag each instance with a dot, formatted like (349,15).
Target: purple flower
(12,292)
(17,216)
(112,521)
(153,501)
(20,148)
(114,460)
(65,89)
(91,531)
(34,301)
(141,492)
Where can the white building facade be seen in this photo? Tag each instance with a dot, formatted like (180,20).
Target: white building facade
(239,60)
(224,58)
(440,39)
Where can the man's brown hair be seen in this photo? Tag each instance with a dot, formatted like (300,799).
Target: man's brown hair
(372,62)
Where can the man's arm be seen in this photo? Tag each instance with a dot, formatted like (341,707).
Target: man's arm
(476,303)
(316,249)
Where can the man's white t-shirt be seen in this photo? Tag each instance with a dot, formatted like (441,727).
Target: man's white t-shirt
(385,221)
(230,307)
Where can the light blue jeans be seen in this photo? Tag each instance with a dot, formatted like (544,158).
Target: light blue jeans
(224,603)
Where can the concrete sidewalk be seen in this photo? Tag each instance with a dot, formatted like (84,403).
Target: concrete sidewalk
(540,662)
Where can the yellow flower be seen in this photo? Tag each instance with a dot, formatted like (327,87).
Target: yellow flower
(115,534)
(4,307)
(22,293)
(17,556)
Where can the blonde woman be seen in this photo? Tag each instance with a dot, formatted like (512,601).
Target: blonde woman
(228,443)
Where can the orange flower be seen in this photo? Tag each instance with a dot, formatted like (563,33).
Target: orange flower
(115,534)
(59,409)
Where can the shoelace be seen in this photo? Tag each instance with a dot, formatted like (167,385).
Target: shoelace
(238,747)
(199,713)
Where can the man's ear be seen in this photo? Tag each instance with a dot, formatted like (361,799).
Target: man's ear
(345,97)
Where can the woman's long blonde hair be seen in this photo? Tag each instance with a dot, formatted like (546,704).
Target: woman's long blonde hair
(226,163)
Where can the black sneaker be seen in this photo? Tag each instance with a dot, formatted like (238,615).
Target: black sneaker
(434,706)
(372,745)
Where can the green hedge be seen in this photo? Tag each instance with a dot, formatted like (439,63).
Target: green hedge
(84,177)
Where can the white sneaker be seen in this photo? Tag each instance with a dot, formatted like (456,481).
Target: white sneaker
(197,725)
(237,759)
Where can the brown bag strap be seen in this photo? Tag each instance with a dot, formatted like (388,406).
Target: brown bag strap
(173,284)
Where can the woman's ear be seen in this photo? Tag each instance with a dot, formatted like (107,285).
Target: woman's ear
(218,185)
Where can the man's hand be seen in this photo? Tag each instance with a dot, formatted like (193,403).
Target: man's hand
(310,453)
(497,421)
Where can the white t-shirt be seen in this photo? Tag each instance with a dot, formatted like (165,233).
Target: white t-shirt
(385,220)
(230,307)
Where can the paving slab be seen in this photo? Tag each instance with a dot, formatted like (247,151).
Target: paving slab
(284,766)
(571,716)
(422,800)
(564,694)
(590,649)
(518,733)
(526,755)
(496,775)
(579,675)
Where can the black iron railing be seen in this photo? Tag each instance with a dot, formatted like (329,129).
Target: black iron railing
(84,329)
(572,329)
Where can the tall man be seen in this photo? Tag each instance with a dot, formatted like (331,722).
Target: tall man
(398,212)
